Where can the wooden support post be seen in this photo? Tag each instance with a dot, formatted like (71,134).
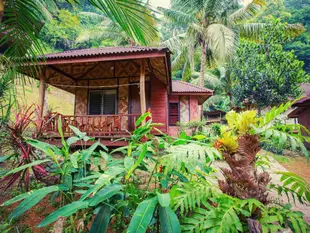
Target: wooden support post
(142,87)
(42,93)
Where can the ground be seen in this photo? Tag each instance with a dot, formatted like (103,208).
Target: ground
(299,165)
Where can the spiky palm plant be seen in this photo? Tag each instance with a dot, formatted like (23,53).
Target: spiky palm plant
(239,144)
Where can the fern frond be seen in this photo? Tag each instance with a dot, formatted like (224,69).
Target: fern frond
(192,195)
(188,156)
(223,215)
(296,185)
(274,113)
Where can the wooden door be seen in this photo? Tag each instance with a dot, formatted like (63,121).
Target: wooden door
(134,102)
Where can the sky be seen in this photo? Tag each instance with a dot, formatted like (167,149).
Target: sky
(161,3)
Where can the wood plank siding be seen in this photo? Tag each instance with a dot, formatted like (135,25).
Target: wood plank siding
(159,103)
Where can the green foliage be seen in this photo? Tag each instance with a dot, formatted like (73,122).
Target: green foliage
(294,186)
(169,220)
(191,196)
(30,201)
(64,211)
(257,71)
(102,219)
(223,214)
(188,157)
(285,217)
(142,216)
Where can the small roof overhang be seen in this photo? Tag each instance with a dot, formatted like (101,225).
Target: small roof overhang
(185,88)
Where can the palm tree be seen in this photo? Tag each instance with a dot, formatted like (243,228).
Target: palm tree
(218,80)
(213,25)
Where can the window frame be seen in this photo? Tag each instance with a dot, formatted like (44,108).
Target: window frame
(102,100)
(169,113)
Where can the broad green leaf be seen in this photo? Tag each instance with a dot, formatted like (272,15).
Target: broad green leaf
(128,162)
(142,118)
(64,211)
(102,180)
(23,196)
(137,163)
(168,220)
(77,132)
(72,140)
(31,200)
(90,151)
(164,199)
(45,147)
(73,159)
(60,131)
(101,221)
(105,193)
(142,216)
(28,165)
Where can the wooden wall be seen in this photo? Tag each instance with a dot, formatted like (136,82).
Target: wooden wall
(304,119)
(159,103)
(188,111)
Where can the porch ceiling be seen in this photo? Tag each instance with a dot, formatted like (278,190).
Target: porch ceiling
(65,70)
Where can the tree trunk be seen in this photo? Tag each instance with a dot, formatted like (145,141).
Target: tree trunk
(203,64)
(2,5)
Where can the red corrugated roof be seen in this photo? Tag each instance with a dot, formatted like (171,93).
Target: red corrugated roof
(103,51)
(184,87)
(306,89)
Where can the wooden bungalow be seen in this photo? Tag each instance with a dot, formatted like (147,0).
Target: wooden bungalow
(302,109)
(113,86)
(215,116)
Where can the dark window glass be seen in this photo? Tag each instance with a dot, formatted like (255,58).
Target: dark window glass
(95,102)
(109,102)
(174,115)
(102,102)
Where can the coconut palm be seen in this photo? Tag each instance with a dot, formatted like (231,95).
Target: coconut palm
(213,25)
(218,80)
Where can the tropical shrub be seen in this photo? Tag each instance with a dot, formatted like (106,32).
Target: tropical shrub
(27,123)
(163,184)
(112,189)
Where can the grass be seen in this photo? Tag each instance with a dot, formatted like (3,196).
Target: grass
(58,100)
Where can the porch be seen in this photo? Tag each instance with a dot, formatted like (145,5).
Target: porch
(112,88)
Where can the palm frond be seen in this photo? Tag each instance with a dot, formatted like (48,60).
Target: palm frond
(253,30)
(20,28)
(132,16)
(179,17)
(221,41)
(248,11)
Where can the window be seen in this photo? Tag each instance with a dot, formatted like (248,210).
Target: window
(174,115)
(102,102)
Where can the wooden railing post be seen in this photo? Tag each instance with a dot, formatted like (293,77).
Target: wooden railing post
(42,92)
(142,88)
